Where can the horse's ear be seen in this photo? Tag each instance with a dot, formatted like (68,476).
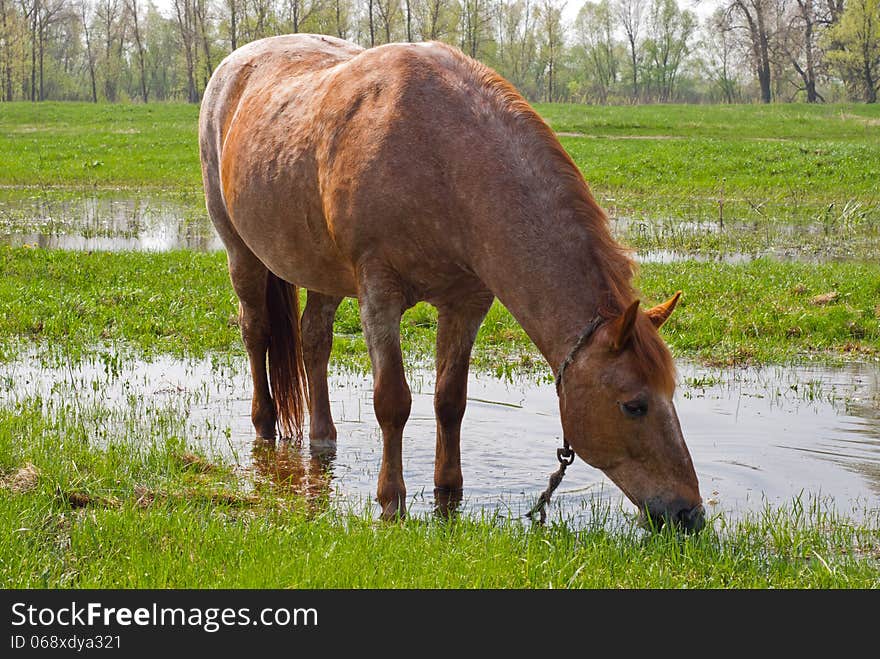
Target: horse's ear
(622,329)
(660,314)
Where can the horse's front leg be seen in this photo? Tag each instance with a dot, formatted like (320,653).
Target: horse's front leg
(382,303)
(456,331)
(317,337)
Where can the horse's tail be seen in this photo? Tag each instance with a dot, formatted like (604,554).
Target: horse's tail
(286,370)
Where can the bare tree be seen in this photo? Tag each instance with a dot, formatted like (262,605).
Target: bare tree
(754,17)
(85,9)
(719,51)
(630,15)
(799,45)
(187,31)
(133,12)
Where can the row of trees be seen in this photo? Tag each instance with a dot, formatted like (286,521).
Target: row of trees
(614,51)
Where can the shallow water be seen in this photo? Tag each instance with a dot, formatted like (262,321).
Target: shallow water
(153,223)
(757,436)
(146,223)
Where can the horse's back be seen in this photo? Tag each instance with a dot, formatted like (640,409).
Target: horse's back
(259,64)
(326,154)
(255,90)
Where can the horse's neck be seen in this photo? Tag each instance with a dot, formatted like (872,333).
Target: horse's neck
(552,286)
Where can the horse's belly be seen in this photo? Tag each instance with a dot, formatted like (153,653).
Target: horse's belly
(295,245)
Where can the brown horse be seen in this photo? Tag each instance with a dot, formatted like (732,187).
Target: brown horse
(410,172)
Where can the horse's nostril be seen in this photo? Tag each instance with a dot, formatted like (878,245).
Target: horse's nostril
(692,519)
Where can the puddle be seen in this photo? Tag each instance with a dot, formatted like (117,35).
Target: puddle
(153,223)
(757,436)
(106,223)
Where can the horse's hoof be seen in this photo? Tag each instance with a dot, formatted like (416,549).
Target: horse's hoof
(394,510)
(265,432)
(322,443)
(446,501)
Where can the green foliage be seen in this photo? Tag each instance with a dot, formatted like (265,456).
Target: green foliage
(853,48)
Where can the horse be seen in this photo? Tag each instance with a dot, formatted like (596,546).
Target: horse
(410,172)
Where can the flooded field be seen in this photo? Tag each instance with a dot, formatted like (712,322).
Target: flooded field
(758,437)
(154,223)
(148,223)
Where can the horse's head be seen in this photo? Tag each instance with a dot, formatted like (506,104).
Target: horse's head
(618,415)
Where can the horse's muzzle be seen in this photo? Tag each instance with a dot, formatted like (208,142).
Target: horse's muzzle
(692,520)
(689,520)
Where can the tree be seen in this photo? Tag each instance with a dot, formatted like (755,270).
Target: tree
(753,17)
(669,32)
(719,48)
(186,23)
(476,19)
(800,45)
(516,53)
(434,19)
(388,12)
(552,42)
(133,12)
(7,32)
(854,48)
(594,33)
(630,15)
(85,11)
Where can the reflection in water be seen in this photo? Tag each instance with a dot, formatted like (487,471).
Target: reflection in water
(157,223)
(757,435)
(286,467)
(143,223)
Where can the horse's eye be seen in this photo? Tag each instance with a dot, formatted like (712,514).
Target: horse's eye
(634,408)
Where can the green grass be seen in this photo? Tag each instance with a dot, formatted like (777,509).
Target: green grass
(802,164)
(181,303)
(193,545)
(793,163)
(80,510)
(127,497)
(107,146)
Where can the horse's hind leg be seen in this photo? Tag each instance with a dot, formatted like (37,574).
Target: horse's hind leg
(456,331)
(382,304)
(317,337)
(250,279)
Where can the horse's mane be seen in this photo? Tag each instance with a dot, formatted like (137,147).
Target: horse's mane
(614,261)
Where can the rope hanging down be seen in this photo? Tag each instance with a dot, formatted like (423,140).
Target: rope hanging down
(565,455)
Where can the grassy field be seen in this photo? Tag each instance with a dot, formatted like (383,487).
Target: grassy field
(181,303)
(91,496)
(154,514)
(669,175)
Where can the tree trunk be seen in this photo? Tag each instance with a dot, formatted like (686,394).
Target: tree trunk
(34,52)
(233,25)
(635,68)
(89,55)
(41,39)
